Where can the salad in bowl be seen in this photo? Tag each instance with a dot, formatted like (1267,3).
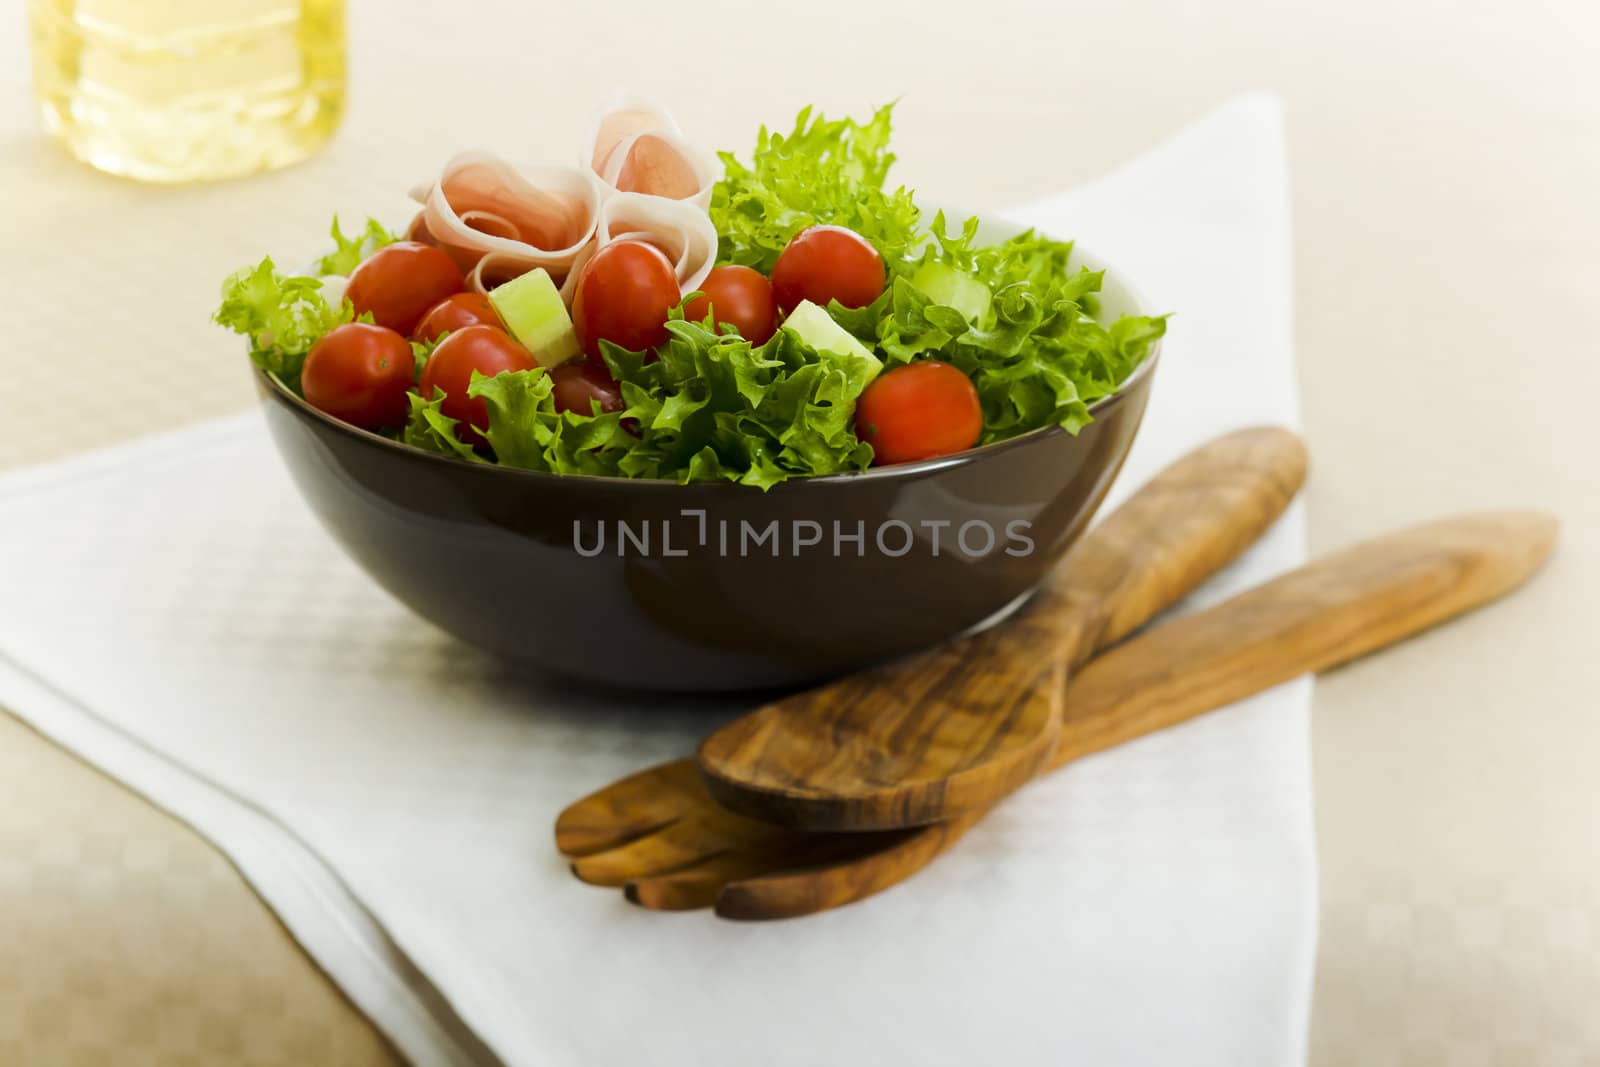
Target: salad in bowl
(660,313)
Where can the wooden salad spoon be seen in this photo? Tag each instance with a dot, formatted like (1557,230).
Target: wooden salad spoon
(953,729)
(660,836)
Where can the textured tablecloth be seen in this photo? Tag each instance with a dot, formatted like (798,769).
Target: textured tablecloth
(1444,156)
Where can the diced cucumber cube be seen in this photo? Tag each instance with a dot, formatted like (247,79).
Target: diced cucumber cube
(534,312)
(816,327)
(945,285)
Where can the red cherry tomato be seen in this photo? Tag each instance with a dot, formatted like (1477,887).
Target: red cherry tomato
(456,312)
(827,263)
(475,348)
(398,283)
(623,296)
(578,382)
(739,297)
(359,373)
(919,411)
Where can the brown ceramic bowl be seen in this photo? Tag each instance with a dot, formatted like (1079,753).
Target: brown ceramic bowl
(708,586)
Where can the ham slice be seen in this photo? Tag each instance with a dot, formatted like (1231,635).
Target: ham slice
(498,221)
(640,181)
(636,147)
(680,228)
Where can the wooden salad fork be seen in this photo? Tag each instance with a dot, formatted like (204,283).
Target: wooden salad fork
(660,836)
(953,729)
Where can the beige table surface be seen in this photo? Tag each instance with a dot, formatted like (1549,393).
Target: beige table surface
(1446,157)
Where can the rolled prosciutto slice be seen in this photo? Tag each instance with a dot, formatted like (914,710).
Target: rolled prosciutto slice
(680,228)
(636,147)
(498,221)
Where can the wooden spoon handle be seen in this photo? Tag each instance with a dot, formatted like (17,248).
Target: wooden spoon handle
(1324,614)
(1182,526)
(1329,612)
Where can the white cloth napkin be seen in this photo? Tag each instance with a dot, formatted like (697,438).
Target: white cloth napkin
(171,611)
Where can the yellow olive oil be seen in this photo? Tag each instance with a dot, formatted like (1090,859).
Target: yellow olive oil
(189,90)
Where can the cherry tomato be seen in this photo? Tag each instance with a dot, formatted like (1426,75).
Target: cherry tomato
(398,283)
(623,296)
(474,348)
(919,411)
(826,263)
(739,297)
(457,311)
(359,373)
(578,382)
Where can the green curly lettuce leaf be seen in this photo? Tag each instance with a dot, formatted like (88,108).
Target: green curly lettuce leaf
(709,407)
(348,252)
(823,171)
(1036,354)
(526,431)
(281,316)
(430,429)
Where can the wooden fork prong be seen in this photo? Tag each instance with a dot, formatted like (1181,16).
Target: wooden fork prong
(696,886)
(628,809)
(690,840)
(700,885)
(872,867)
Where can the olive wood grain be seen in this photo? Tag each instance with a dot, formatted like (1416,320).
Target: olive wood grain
(955,728)
(1327,613)
(660,836)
